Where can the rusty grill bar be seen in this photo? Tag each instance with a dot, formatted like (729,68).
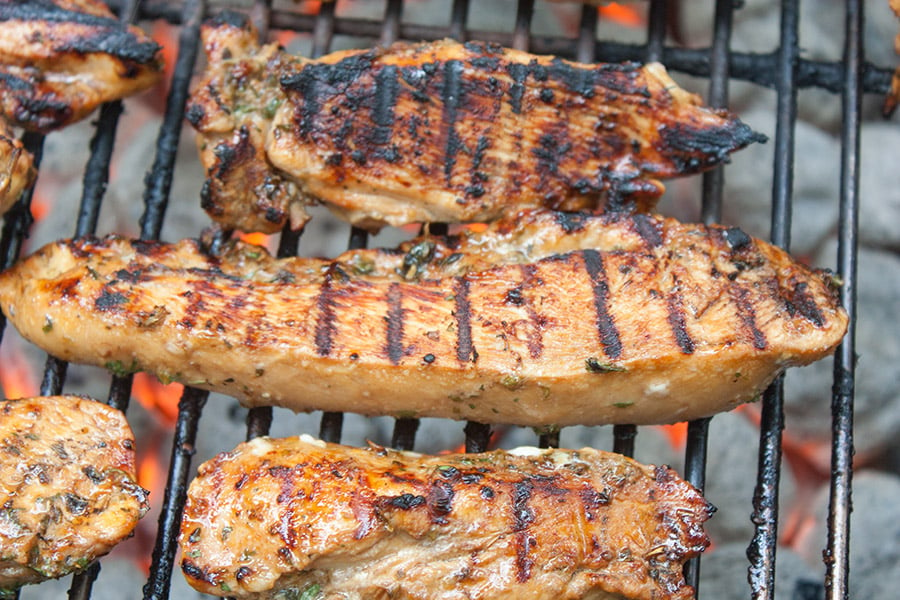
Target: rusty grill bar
(782,70)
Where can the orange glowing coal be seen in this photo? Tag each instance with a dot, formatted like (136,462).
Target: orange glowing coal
(17,378)
(257,239)
(159,399)
(622,14)
(676,434)
(39,207)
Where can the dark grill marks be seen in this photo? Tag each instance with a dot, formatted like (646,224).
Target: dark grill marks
(307,111)
(676,321)
(649,229)
(325,325)
(386,89)
(535,336)
(519,73)
(100,34)
(395,316)
(799,301)
(465,351)
(606,328)
(319,84)
(439,501)
(748,317)
(523,516)
(451,95)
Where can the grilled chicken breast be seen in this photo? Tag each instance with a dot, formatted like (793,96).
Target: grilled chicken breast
(16,168)
(299,518)
(546,318)
(67,486)
(440,132)
(60,59)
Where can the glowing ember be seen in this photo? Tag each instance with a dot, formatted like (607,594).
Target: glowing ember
(621,14)
(676,434)
(257,239)
(16,376)
(160,400)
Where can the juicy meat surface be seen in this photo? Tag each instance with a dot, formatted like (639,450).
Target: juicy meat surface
(546,318)
(280,518)
(16,167)
(67,486)
(438,132)
(60,59)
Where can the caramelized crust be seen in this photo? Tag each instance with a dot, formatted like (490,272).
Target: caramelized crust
(298,518)
(439,132)
(60,59)
(16,168)
(67,486)
(543,319)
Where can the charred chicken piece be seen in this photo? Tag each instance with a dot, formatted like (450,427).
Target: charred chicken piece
(232,108)
(16,168)
(543,319)
(60,59)
(67,486)
(440,132)
(298,518)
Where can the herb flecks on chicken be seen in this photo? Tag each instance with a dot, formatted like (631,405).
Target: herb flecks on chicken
(67,486)
(545,318)
(297,518)
(439,132)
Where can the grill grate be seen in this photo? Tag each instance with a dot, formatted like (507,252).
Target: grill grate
(782,70)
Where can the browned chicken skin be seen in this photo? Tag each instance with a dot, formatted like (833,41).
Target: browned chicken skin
(67,486)
(60,59)
(16,167)
(440,132)
(543,319)
(280,518)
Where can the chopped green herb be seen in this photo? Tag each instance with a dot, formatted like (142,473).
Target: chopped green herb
(118,368)
(166,378)
(195,535)
(271,106)
(595,366)
(226,531)
(48,324)
(247,554)
(622,404)
(417,257)
(224,587)
(512,382)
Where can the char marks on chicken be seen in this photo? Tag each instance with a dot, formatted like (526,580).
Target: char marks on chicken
(60,59)
(438,132)
(67,486)
(298,518)
(545,318)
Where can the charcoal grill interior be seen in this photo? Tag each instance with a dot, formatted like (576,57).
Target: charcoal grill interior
(783,70)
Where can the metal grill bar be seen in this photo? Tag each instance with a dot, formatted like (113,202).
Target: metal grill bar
(189,409)
(259,418)
(156,197)
(758,68)
(763,547)
(159,181)
(837,553)
(711,212)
